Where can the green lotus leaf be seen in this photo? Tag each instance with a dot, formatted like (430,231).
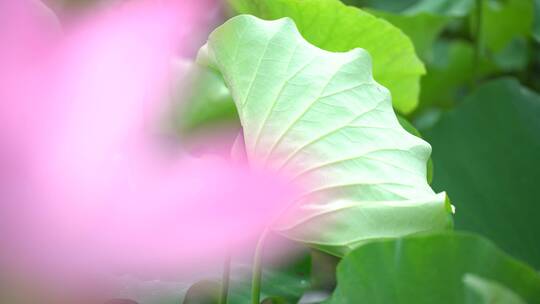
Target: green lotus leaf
(321,118)
(442,268)
(481,290)
(504,21)
(383,5)
(201,100)
(501,21)
(411,129)
(453,8)
(333,26)
(449,74)
(486,156)
(422,28)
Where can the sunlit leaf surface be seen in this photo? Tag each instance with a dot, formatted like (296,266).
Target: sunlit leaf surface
(333,26)
(321,118)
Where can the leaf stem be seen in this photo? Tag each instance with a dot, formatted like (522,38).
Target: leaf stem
(256,276)
(225,280)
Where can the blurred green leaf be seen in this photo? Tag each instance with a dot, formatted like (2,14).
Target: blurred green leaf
(536,31)
(422,29)
(333,26)
(283,283)
(453,8)
(202,100)
(323,270)
(431,268)
(383,5)
(321,117)
(486,154)
(274,300)
(513,57)
(480,290)
(505,20)
(450,74)
(450,8)
(451,70)
(203,292)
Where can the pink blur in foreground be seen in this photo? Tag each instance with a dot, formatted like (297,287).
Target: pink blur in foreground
(87,182)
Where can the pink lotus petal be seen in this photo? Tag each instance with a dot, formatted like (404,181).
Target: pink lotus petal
(87,182)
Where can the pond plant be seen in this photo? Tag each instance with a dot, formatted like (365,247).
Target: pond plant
(392,146)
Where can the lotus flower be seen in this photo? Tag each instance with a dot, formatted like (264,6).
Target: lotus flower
(88,180)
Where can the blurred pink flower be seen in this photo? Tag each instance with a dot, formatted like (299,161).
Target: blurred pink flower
(87,181)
